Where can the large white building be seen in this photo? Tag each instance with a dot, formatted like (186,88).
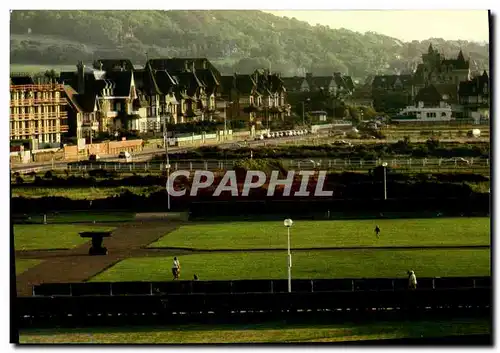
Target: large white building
(443,112)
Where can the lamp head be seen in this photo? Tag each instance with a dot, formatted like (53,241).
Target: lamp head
(288,222)
(384,164)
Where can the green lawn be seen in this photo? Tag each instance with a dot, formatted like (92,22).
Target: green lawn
(258,333)
(51,236)
(24,264)
(345,233)
(82,193)
(84,217)
(306,264)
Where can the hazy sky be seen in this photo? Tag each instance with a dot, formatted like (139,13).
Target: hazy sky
(407,25)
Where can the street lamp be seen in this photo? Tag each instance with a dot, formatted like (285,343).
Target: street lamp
(288,223)
(167,163)
(384,165)
(303,112)
(225,110)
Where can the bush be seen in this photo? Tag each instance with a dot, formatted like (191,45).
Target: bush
(48,174)
(433,143)
(19,180)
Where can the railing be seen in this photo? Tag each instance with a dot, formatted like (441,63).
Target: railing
(314,164)
(33,101)
(256,286)
(39,115)
(39,130)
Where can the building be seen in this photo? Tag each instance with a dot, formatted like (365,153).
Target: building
(83,115)
(258,98)
(436,69)
(37,112)
(197,86)
(431,105)
(420,112)
(474,96)
(337,84)
(392,92)
(114,92)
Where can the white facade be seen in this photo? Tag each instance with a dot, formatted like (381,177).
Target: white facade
(421,113)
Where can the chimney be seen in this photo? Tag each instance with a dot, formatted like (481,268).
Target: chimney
(80,69)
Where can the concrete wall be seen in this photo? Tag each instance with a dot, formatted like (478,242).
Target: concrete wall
(105,148)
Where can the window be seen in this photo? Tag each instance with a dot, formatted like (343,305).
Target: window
(443,114)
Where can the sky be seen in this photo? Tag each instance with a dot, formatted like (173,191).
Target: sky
(407,25)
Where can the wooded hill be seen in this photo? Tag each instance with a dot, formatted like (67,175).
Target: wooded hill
(236,41)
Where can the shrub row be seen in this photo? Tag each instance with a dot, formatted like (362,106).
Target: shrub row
(432,149)
(241,168)
(418,195)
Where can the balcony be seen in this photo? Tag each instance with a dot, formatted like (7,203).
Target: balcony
(39,130)
(39,116)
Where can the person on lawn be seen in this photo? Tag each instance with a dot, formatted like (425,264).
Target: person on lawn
(412,280)
(176,268)
(377,231)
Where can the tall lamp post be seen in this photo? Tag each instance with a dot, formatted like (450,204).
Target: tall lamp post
(384,165)
(303,111)
(225,111)
(288,224)
(167,163)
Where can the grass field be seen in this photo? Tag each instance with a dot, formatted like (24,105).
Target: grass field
(307,234)
(306,265)
(51,236)
(24,264)
(74,217)
(263,332)
(82,193)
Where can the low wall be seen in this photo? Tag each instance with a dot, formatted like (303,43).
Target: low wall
(104,148)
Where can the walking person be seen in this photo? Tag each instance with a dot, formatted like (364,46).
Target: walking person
(412,280)
(176,268)
(377,231)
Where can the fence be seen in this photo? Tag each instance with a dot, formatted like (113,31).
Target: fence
(465,165)
(255,286)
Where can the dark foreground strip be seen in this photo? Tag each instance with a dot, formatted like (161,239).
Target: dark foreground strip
(462,340)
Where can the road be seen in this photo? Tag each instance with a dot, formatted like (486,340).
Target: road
(146,155)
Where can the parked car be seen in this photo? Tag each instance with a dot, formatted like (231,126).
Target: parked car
(304,163)
(94,157)
(125,155)
(474,133)
(457,160)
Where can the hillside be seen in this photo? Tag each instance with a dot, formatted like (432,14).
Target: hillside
(236,41)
